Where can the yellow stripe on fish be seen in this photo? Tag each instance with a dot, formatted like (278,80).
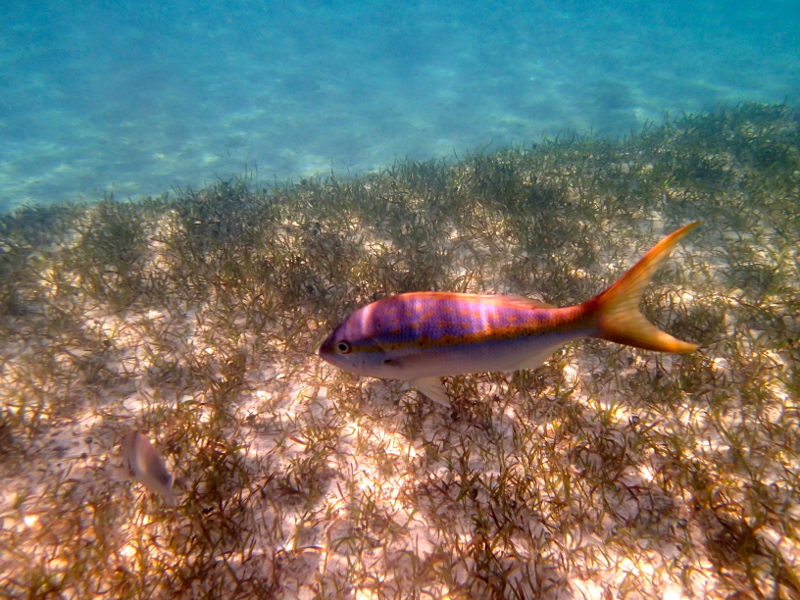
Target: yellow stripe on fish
(422,336)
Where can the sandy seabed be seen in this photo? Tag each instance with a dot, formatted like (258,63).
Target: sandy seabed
(609,472)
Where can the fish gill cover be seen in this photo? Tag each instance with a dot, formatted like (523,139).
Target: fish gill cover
(194,318)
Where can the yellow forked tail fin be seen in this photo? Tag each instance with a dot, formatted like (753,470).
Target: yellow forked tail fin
(617,309)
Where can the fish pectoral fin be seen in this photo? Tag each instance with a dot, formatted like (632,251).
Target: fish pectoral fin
(432,387)
(121,473)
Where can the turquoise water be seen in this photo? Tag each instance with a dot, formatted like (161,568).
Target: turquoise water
(140,97)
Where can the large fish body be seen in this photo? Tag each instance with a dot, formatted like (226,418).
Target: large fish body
(421,336)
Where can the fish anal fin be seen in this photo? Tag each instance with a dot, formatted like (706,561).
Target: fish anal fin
(169,494)
(432,387)
(537,360)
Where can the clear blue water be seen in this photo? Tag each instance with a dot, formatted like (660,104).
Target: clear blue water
(145,96)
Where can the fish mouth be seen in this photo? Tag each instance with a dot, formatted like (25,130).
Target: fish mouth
(326,349)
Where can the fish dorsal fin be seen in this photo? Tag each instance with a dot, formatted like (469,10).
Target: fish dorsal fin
(526,302)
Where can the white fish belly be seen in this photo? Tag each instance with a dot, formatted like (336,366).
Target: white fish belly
(495,355)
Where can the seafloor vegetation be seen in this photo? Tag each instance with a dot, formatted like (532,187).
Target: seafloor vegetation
(609,472)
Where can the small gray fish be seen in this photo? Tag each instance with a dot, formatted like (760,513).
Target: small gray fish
(146,465)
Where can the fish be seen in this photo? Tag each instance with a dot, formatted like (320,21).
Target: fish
(145,464)
(419,337)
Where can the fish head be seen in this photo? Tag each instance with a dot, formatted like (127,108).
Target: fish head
(353,347)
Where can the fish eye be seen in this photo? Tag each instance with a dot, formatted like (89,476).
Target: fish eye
(343,347)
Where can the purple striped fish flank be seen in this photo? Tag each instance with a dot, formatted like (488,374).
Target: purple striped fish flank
(438,319)
(421,336)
